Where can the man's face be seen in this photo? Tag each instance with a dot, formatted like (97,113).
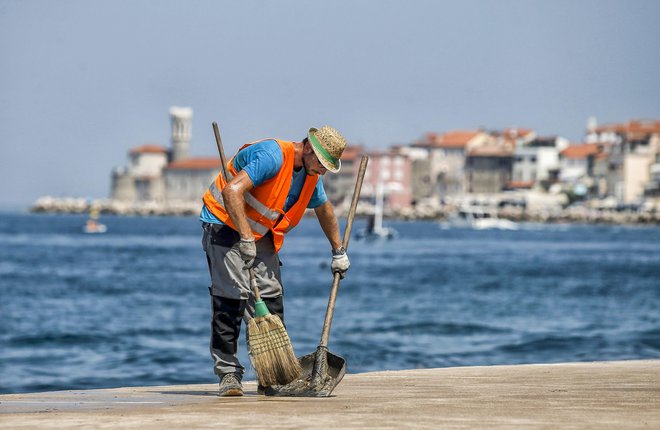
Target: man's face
(311,162)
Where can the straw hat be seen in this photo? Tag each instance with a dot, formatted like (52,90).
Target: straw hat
(328,146)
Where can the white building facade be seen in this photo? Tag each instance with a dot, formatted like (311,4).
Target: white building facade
(161,175)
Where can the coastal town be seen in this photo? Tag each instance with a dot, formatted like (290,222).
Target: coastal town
(611,176)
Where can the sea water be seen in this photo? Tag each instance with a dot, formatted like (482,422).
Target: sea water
(131,306)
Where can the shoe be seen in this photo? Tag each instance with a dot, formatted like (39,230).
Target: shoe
(230,385)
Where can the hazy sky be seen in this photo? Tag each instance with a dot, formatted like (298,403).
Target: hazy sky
(81,82)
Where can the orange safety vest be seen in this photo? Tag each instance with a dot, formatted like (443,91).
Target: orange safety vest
(264,204)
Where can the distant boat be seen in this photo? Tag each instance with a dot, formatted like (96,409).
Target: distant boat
(375,229)
(479,217)
(92,226)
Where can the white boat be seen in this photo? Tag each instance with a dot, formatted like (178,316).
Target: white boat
(92,226)
(375,229)
(479,218)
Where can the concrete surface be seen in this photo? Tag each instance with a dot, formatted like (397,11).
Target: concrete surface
(614,395)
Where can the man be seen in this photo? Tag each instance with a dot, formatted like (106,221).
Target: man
(270,185)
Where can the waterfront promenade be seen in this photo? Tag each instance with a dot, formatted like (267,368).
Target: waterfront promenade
(603,395)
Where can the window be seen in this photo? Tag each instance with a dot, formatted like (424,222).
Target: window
(385,174)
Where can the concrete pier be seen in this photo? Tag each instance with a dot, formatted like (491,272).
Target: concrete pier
(604,395)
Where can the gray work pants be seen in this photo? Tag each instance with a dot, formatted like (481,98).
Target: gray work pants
(231,298)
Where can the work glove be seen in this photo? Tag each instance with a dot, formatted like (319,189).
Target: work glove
(340,263)
(248,250)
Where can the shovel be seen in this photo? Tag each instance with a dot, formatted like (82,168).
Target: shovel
(322,370)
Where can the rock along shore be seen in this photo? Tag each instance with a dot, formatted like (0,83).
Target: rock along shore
(571,214)
(602,395)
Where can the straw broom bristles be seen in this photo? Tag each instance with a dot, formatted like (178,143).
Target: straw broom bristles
(270,348)
(271,351)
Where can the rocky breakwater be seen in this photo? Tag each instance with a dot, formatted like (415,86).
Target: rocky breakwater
(580,213)
(71,205)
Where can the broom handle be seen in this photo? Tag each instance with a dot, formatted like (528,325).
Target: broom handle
(347,236)
(253,285)
(226,175)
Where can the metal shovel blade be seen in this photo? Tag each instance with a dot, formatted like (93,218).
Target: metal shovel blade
(321,372)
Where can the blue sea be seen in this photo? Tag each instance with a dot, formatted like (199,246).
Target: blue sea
(131,306)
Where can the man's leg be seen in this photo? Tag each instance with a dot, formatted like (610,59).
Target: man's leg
(225,331)
(227,304)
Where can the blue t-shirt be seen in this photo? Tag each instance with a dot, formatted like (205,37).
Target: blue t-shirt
(262,161)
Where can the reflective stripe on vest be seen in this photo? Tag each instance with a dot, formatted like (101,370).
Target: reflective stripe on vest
(250,200)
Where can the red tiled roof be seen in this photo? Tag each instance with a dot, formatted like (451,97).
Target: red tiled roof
(634,126)
(616,128)
(456,139)
(200,163)
(521,184)
(644,126)
(452,139)
(149,149)
(580,151)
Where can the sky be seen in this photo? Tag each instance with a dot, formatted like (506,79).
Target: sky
(83,81)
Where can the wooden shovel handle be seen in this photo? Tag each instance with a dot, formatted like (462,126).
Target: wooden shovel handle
(221,151)
(347,237)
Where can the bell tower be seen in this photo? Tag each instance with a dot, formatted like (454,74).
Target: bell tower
(181,121)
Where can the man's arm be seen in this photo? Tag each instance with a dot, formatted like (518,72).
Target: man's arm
(326,216)
(234,200)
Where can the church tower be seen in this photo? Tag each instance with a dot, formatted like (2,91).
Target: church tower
(181,120)
(592,124)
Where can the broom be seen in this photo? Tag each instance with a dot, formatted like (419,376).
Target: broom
(269,345)
(270,348)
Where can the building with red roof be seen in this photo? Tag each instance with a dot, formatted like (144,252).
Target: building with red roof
(443,172)
(488,168)
(188,179)
(536,161)
(391,170)
(577,161)
(633,159)
(158,174)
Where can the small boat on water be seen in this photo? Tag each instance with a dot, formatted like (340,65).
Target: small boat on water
(374,229)
(92,226)
(479,218)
